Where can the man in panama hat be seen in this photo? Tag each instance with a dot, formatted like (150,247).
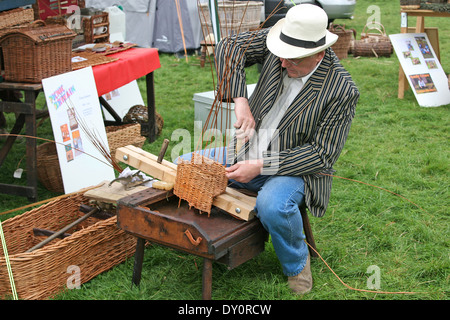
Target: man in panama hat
(294,125)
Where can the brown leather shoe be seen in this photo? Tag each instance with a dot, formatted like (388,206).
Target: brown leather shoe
(302,283)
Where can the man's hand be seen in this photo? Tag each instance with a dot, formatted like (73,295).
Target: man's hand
(245,123)
(244,171)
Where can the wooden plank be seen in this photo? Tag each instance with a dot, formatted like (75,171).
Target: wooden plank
(151,156)
(138,160)
(111,194)
(232,201)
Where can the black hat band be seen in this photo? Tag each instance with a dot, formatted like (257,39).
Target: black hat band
(302,43)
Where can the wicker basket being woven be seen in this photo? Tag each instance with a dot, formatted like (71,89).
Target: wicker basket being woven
(199,180)
(93,247)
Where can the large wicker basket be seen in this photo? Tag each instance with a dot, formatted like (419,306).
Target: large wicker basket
(342,45)
(34,53)
(94,247)
(234,17)
(199,180)
(48,169)
(124,135)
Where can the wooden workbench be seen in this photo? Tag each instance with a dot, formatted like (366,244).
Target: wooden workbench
(157,216)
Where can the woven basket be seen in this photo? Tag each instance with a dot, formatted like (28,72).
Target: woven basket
(124,135)
(234,17)
(34,53)
(373,44)
(48,170)
(15,17)
(94,247)
(199,180)
(342,45)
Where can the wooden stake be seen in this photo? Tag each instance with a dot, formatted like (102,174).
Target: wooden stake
(63,230)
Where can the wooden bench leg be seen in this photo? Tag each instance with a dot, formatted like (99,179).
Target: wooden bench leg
(308,231)
(138,260)
(207,279)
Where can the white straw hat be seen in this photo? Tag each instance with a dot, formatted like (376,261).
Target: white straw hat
(303,32)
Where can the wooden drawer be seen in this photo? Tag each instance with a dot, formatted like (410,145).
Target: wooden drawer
(156,216)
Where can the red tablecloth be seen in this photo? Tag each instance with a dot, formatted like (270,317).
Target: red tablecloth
(132,64)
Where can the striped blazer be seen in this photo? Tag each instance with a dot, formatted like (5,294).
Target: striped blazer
(313,130)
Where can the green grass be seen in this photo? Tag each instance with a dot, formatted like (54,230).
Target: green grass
(394,144)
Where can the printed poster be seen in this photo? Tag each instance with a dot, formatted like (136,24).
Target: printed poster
(122,99)
(423,70)
(76,117)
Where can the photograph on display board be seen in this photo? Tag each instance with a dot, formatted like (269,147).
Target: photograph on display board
(65,132)
(423,83)
(424,47)
(77,143)
(73,123)
(431,64)
(69,152)
(422,69)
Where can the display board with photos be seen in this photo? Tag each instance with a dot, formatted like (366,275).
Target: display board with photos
(422,68)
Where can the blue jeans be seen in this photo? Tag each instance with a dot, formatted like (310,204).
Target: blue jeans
(277,207)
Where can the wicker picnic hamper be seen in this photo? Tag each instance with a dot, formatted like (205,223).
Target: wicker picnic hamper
(94,246)
(199,180)
(36,52)
(342,45)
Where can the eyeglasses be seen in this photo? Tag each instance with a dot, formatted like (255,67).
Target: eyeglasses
(294,62)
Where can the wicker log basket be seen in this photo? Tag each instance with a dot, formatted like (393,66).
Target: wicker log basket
(199,180)
(94,246)
(374,42)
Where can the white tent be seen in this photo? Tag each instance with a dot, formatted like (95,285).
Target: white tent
(155,23)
